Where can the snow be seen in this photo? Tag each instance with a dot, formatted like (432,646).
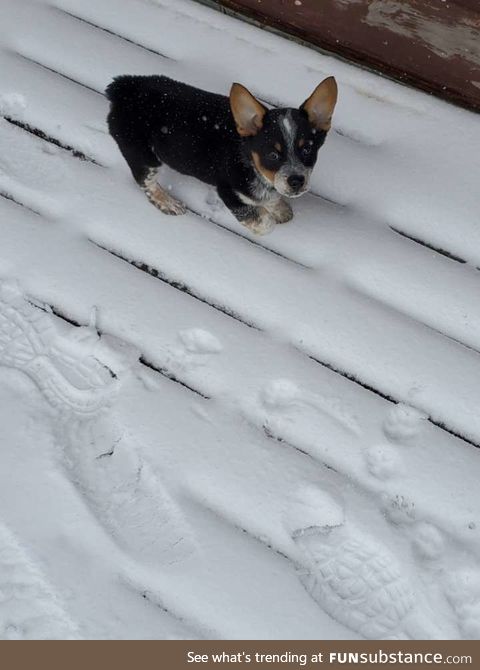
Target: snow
(244,437)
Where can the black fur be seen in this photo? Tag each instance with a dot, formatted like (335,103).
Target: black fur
(157,120)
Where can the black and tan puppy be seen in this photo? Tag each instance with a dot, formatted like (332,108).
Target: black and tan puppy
(251,154)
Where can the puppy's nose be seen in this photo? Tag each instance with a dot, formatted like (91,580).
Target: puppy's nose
(296,181)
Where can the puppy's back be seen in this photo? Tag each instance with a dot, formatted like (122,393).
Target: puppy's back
(191,130)
(136,91)
(128,86)
(133,104)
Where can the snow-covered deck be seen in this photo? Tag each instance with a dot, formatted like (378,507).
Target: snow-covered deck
(324,376)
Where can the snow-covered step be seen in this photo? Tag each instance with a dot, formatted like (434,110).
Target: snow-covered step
(343,325)
(40,98)
(408,128)
(236,376)
(148,61)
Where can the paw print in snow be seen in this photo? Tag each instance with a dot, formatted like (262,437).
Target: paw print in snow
(399,510)
(383,461)
(196,345)
(199,341)
(280,393)
(403,422)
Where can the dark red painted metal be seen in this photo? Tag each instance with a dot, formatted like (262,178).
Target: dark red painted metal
(431,44)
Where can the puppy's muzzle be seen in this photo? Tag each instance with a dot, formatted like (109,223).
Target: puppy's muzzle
(292,184)
(296,182)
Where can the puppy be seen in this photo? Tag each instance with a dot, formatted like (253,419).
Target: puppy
(252,155)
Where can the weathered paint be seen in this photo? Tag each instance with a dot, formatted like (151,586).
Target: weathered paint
(430,44)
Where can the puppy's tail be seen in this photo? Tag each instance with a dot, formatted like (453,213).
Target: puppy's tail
(120,87)
(130,110)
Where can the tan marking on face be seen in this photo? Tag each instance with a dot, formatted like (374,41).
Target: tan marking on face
(301,143)
(268,174)
(278,146)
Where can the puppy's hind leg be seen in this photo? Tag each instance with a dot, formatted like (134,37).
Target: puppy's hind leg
(159,197)
(144,166)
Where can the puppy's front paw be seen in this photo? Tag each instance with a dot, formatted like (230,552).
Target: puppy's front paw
(281,211)
(260,224)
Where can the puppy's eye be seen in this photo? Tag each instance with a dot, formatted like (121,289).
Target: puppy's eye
(306,149)
(274,155)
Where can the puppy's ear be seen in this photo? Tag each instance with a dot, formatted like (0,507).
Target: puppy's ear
(320,105)
(247,111)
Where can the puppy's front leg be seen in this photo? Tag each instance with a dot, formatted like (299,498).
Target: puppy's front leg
(254,217)
(258,219)
(280,209)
